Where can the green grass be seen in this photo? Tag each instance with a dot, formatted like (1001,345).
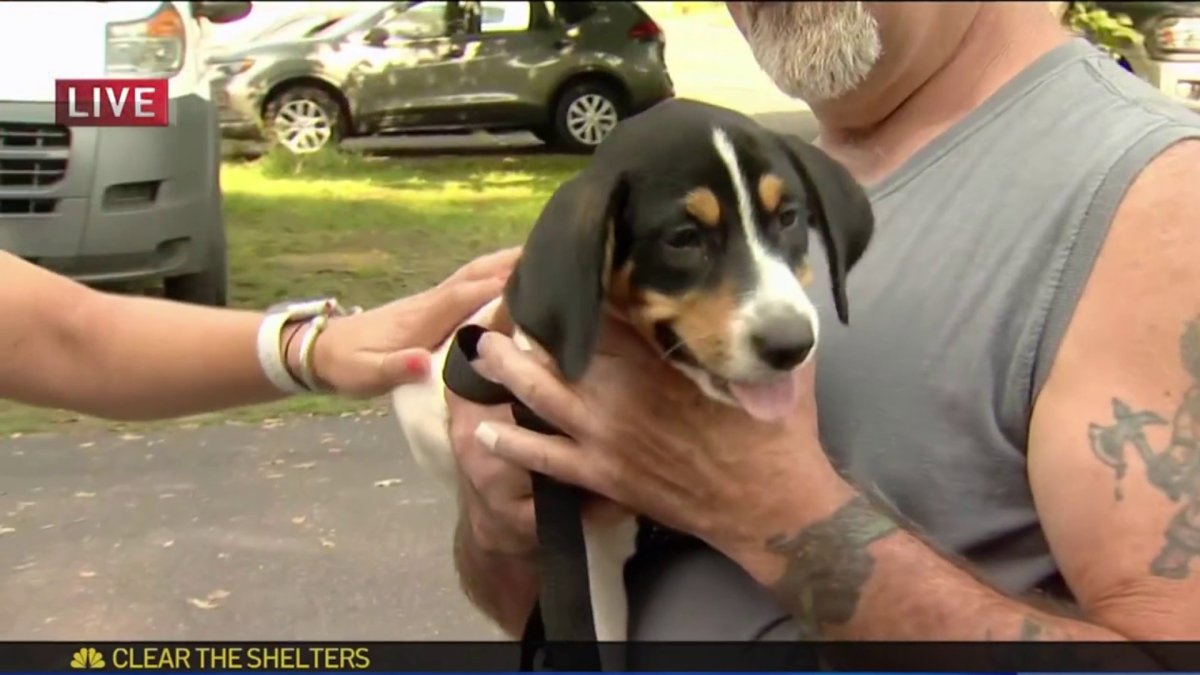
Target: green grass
(366,229)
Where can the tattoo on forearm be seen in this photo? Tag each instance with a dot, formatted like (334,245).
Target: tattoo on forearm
(828,564)
(1175,471)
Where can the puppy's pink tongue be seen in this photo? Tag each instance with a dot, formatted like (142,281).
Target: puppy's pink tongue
(767,401)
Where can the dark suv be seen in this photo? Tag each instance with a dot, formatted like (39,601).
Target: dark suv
(566,71)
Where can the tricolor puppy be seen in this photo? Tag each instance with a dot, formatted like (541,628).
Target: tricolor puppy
(691,223)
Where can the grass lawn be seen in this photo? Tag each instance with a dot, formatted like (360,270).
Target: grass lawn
(366,229)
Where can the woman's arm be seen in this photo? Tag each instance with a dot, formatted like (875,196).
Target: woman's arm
(65,345)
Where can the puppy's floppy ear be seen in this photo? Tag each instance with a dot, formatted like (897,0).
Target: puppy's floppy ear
(840,205)
(556,294)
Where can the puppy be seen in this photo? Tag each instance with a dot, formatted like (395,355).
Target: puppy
(692,224)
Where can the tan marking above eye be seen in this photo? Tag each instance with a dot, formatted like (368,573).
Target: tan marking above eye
(702,203)
(770,191)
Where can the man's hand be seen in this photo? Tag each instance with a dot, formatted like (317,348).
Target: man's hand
(371,353)
(645,437)
(496,495)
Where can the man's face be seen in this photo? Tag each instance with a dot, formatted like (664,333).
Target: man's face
(814,51)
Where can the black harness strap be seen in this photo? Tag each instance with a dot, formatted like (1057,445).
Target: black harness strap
(560,628)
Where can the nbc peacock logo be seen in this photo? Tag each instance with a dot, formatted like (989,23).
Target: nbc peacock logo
(87,658)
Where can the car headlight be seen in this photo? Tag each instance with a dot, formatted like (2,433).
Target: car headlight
(151,46)
(1178,34)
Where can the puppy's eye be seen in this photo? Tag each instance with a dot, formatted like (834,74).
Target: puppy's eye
(685,237)
(788,217)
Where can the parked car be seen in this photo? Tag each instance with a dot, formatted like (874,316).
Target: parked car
(565,71)
(113,204)
(1169,58)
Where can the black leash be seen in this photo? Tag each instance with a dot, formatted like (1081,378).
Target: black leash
(560,629)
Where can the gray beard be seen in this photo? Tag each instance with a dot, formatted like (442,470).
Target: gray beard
(814,51)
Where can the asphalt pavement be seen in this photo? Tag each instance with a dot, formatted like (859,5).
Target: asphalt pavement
(304,529)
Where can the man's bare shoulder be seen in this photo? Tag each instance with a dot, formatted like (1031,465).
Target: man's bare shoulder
(1111,456)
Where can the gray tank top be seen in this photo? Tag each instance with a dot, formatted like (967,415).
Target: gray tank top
(985,239)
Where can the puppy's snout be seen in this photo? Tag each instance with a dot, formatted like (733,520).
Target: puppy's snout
(784,340)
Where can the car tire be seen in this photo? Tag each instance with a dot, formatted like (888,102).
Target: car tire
(209,286)
(573,132)
(303,120)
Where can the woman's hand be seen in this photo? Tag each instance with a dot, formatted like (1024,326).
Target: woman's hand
(371,353)
(644,436)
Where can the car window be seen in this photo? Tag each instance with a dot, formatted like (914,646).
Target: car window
(504,16)
(427,19)
(571,13)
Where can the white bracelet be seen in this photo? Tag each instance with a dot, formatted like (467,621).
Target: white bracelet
(271,357)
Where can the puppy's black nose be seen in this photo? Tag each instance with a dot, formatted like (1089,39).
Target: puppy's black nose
(782,343)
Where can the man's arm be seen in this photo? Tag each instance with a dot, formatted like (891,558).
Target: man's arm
(122,357)
(504,587)
(1114,464)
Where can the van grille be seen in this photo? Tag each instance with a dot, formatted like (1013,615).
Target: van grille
(27,207)
(25,135)
(31,172)
(33,155)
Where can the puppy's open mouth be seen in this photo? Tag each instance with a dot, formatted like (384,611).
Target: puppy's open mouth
(768,400)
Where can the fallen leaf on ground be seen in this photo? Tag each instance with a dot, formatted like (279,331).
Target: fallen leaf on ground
(388,482)
(85,495)
(6,530)
(87,445)
(304,465)
(210,601)
(131,437)
(299,520)
(87,574)
(327,543)
(169,543)
(273,476)
(334,451)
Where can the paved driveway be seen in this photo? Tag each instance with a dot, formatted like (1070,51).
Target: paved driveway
(317,529)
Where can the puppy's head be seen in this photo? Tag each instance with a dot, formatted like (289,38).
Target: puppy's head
(692,222)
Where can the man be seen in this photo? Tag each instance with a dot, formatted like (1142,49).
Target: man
(1011,415)
(65,345)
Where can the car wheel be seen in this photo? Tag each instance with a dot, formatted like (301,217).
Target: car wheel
(304,120)
(585,115)
(209,286)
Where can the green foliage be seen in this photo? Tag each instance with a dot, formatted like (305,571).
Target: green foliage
(1111,32)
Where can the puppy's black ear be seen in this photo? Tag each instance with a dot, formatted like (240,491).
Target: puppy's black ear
(556,293)
(842,210)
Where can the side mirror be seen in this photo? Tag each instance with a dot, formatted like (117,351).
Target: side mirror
(223,11)
(376,37)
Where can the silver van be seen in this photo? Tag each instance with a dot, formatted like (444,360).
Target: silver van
(113,204)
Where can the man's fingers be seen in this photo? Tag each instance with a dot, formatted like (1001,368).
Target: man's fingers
(554,456)
(501,361)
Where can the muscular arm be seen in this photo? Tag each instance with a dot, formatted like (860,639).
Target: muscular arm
(1120,411)
(67,346)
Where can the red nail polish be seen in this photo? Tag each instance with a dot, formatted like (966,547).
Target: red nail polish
(416,364)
